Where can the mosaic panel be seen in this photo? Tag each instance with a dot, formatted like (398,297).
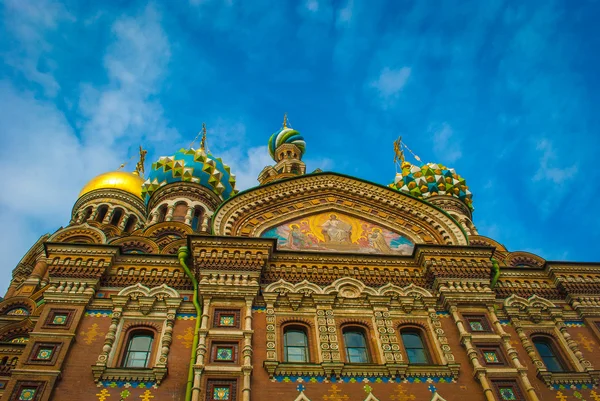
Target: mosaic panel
(337,232)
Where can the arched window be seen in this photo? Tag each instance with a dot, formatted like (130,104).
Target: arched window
(130,226)
(116,217)
(356,345)
(197,218)
(412,338)
(548,352)
(87,214)
(138,350)
(162,213)
(101,213)
(180,211)
(295,344)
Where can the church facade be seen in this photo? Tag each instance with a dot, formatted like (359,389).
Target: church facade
(309,286)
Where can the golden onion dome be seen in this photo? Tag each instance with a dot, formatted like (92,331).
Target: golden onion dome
(123,180)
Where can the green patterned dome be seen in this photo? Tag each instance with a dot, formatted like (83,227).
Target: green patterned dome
(432,179)
(191,165)
(286,135)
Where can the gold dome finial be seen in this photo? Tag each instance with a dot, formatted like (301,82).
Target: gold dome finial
(139,167)
(284,120)
(203,140)
(398,152)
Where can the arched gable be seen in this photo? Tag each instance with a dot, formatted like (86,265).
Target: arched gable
(82,233)
(253,212)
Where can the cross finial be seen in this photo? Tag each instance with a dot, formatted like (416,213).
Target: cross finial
(398,152)
(284,120)
(139,167)
(203,141)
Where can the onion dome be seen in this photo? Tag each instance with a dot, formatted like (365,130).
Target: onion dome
(432,179)
(286,135)
(191,165)
(123,180)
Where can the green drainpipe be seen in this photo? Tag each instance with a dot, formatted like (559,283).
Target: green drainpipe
(495,273)
(183,253)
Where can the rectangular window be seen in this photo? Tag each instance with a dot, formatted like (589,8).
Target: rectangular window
(27,391)
(224,352)
(44,353)
(477,324)
(226,318)
(59,319)
(492,355)
(221,390)
(508,390)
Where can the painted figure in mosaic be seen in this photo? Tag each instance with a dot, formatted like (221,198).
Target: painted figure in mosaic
(336,230)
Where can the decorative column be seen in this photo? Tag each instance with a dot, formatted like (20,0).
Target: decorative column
(94,213)
(170,210)
(513,355)
(560,324)
(110,337)
(328,335)
(108,216)
(189,215)
(247,350)
(153,217)
(201,349)
(167,338)
(123,222)
(472,353)
(440,335)
(40,269)
(205,220)
(271,361)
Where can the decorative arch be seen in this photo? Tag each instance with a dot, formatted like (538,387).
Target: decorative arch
(17,329)
(173,247)
(520,258)
(168,227)
(252,212)
(84,233)
(348,287)
(133,243)
(137,290)
(532,301)
(18,302)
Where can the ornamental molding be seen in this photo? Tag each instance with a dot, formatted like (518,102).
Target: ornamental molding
(76,232)
(136,242)
(187,190)
(108,196)
(534,308)
(161,292)
(251,213)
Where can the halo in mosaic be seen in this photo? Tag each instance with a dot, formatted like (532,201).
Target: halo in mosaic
(191,165)
(432,179)
(286,135)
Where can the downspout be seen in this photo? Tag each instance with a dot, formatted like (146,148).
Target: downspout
(183,254)
(495,273)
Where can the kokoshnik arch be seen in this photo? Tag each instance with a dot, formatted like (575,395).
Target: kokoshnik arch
(309,286)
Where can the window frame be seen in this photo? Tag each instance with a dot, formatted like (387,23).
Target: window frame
(234,352)
(33,355)
(482,318)
(126,345)
(297,328)
(211,383)
(512,384)
(497,349)
(364,332)
(556,351)
(49,322)
(424,341)
(217,318)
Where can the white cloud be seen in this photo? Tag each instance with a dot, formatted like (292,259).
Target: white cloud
(312,5)
(344,16)
(389,84)
(446,145)
(28,21)
(135,62)
(547,171)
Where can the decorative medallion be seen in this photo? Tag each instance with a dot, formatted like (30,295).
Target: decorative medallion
(227,320)
(491,357)
(507,394)
(27,394)
(337,232)
(221,393)
(224,354)
(44,354)
(59,319)
(18,312)
(476,325)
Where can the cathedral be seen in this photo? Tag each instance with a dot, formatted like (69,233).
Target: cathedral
(172,285)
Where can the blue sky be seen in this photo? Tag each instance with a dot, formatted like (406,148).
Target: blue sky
(506,92)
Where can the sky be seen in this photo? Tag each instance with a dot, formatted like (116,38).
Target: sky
(506,92)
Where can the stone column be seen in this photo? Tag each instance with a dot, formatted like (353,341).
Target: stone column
(40,269)
(94,213)
(170,210)
(247,350)
(189,215)
(480,371)
(201,350)
(108,215)
(205,220)
(123,222)
(513,355)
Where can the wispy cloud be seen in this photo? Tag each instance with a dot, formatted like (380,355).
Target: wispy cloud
(389,84)
(547,170)
(446,145)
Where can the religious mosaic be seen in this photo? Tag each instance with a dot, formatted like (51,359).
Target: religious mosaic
(338,233)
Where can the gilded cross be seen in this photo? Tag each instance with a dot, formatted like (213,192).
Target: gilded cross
(560,396)
(103,394)
(146,396)
(334,396)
